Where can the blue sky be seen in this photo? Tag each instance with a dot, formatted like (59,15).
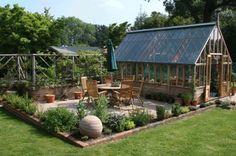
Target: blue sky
(92,11)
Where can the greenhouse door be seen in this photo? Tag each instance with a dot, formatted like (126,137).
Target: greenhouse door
(224,83)
(208,78)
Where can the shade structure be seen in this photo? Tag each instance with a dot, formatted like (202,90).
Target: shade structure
(111,58)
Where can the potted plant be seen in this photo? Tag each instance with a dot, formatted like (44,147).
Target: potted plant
(194,102)
(50,98)
(187,98)
(78,94)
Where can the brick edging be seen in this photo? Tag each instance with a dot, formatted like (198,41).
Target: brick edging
(66,136)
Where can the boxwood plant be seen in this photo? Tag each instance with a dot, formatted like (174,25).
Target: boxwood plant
(23,103)
(59,120)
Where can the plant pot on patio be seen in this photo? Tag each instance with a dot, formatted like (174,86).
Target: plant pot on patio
(233,90)
(50,98)
(78,95)
(194,102)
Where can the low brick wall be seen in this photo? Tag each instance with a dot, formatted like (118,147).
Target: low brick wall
(172,90)
(68,138)
(62,92)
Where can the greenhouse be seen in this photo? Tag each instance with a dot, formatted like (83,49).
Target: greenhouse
(178,59)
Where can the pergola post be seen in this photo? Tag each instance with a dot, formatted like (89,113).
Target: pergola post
(18,66)
(33,71)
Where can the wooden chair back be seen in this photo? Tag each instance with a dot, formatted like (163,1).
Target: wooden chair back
(92,88)
(108,79)
(137,89)
(128,77)
(126,89)
(83,83)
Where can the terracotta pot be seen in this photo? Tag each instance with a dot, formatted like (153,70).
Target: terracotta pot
(233,90)
(50,98)
(194,102)
(78,95)
(90,126)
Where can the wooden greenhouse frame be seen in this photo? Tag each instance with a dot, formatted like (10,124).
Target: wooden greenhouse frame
(174,78)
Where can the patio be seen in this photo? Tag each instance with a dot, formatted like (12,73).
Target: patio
(149,106)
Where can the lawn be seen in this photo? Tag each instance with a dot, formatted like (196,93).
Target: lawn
(211,133)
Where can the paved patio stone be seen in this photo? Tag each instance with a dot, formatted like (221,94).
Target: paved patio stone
(149,105)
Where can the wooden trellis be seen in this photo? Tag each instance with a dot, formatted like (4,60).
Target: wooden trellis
(27,66)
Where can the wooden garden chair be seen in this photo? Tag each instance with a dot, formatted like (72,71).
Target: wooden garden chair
(136,92)
(125,92)
(128,77)
(108,80)
(92,90)
(84,86)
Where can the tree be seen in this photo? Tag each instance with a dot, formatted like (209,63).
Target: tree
(157,20)
(200,10)
(117,32)
(139,21)
(228,25)
(74,32)
(101,35)
(25,32)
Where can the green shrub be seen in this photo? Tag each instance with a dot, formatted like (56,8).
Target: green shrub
(23,103)
(30,109)
(140,117)
(81,110)
(116,122)
(193,108)
(100,108)
(59,120)
(84,138)
(225,105)
(176,109)
(170,99)
(184,110)
(168,114)
(187,98)
(202,105)
(106,130)
(129,124)
(163,97)
(218,102)
(160,110)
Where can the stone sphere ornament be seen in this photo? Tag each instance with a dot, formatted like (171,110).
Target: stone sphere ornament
(90,126)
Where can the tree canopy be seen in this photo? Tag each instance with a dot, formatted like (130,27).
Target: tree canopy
(25,32)
(117,32)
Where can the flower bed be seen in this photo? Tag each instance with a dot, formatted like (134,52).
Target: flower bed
(71,137)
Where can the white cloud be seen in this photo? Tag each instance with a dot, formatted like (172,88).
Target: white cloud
(113,4)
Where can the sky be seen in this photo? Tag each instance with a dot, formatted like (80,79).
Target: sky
(103,12)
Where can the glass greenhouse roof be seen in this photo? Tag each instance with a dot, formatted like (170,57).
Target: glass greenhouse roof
(178,44)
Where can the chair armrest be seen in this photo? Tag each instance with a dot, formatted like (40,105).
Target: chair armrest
(102,92)
(116,92)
